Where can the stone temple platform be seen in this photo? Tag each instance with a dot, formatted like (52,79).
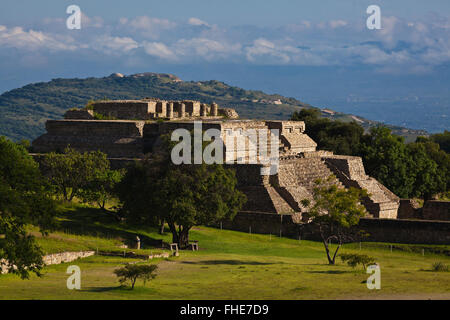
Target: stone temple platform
(135,126)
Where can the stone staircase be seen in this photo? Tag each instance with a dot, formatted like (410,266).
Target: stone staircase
(296,178)
(295,182)
(303,172)
(381,202)
(280,204)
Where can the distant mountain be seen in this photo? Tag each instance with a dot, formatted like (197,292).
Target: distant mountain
(23,111)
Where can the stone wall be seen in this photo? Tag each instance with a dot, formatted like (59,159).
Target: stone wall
(126,109)
(380,230)
(228,113)
(409,209)
(436,210)
(152,108)
(117,128)
(117,138)
(79,114)
(55,258)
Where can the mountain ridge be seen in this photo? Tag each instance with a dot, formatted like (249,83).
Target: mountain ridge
(23,111)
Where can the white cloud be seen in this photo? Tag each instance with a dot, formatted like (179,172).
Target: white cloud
(18,38)
(94,22)
(206,48)
(265,48)
(412,46)
(337,23)
(114,45)
(160,50)
(197,22)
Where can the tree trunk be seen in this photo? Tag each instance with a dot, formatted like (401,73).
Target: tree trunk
(173,229)
(180,236)
(325,244)
(162,222)
(183,239)
(335,253)
(66,197)
(102,205)
(330,261)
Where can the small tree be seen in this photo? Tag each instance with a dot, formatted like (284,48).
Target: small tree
(334,211)
(72,171)
(354,259)
(132,272)
(100,189)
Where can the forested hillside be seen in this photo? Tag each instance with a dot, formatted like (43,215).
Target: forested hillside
(23,111)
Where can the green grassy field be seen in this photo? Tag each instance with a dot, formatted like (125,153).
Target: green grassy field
(229,265)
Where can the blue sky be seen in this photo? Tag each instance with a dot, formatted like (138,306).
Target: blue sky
(230,12)
(275,46)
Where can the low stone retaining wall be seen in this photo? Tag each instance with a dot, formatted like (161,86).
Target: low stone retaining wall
(55,258)
(380,230)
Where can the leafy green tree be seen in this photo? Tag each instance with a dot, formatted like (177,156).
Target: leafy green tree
(184,196)
(71,171)
(337,136)
(430,178)
(132,272)
(354,259)
(386,158)
(23,200)
(443,139)
(335,212)
(100,188)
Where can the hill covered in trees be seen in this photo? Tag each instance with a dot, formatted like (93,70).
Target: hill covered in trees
(23,111)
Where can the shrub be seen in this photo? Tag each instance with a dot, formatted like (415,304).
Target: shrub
(440,267)
(132,272)
(354,259)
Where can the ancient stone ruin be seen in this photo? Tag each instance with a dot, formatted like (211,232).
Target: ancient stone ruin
(150,109)
(134,127)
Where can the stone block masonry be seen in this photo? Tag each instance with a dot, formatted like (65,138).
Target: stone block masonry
(55,258)
(117,138)
(436,210)
(152,108)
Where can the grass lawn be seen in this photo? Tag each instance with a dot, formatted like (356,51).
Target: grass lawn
(229,265)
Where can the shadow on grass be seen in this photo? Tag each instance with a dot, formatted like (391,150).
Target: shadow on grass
(229,262)
(330,272)
(100,223)
(105,289)
(122,289)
